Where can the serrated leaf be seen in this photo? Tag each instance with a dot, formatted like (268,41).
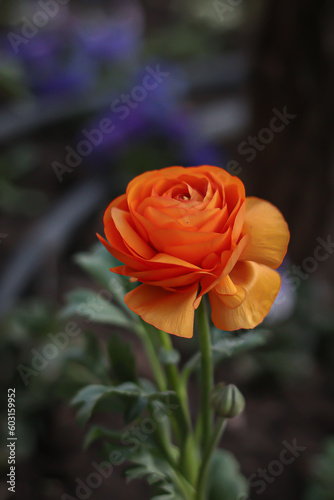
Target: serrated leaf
(94,308)
(88,397)
(154,470)
(167,492)
(123,362)
(225,479)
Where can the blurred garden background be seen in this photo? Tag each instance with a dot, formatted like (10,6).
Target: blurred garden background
(94,93)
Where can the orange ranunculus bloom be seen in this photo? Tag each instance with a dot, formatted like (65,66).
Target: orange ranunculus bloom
(185,232)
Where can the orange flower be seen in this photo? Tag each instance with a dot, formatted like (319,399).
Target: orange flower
(185,232)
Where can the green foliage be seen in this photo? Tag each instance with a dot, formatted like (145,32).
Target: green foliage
(226,481)
(127,392)
(116,387)
(14,198)
(157,473)
(88,397)
(24,331)
(169,357)
(84,363)
(154,470)
(94,308)
(97,263)
(122,360)
(227,345)
(98,432)
(135,409)
(321,486)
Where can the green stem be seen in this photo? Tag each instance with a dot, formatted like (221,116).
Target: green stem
(206,373)
(187,489)
(174,378)
(203,473)
(188,452)
(152,356)
(167,450)
(162,439)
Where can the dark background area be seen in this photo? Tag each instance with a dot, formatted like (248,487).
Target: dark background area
(231,65)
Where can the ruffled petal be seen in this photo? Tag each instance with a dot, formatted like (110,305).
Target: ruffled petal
(193,247)
(269,233)
(171,312)
(261,285)
(131,238)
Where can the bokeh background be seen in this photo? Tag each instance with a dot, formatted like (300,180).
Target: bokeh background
(92,94)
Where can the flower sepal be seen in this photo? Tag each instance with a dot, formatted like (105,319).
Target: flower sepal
(227,401)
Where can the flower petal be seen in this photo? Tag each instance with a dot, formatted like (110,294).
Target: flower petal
(171,312)
(269,233)
(130,237)
(193,247)
(261,285)
(230,301)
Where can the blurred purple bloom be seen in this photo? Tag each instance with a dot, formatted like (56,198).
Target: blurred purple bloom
(161,114)
(285,302)
(53,66)
(116,37)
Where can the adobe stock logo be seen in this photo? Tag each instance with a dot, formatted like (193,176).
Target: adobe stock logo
(255,144)
(275,468)
(30,27)
(310,264)
(121,108)
(132,439)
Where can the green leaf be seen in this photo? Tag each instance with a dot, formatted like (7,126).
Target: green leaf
(226,345)
(168,398)
(169,357)
(109,448)
(88,397)
(168,492)
(98,432)
(226,481)
(134,410)
(97,264)
(168,496)
(94,308)
(154,470)
(123,362)
(321,483)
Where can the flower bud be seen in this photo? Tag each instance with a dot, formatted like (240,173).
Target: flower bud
(227,401)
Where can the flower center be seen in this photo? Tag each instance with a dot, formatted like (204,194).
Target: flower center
(184,197)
